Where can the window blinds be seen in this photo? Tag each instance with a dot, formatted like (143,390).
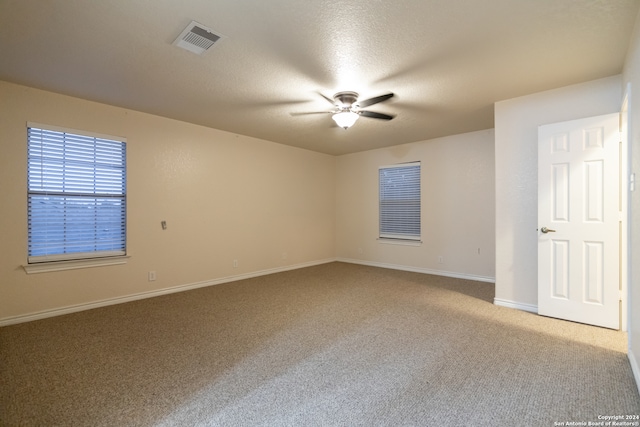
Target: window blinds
(76,195)
(400,201)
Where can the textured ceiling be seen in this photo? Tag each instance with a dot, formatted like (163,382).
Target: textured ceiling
(447,61)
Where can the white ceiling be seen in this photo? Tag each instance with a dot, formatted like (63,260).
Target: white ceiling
(447,61)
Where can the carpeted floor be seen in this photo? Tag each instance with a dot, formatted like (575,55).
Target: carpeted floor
(331,345)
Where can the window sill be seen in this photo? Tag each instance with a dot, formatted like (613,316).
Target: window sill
(46,267)
(400,242)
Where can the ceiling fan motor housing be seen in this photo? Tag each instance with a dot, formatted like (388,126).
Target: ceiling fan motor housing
(345,99)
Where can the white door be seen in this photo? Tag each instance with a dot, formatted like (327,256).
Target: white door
(578,220)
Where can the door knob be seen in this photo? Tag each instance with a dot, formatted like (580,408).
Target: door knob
(547,230)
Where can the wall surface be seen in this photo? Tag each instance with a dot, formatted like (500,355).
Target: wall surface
(223,196)
(631,79)
(457,180)
(516,161)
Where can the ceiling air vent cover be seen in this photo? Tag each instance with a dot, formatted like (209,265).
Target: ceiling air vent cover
(197,38)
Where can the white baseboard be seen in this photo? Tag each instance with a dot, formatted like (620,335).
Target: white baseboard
(419,270)
(134,297)
(635,367)
(517,305)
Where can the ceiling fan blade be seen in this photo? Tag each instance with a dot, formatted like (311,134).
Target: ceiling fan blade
(375,100)
(310,112)
(374,115)
(331,101)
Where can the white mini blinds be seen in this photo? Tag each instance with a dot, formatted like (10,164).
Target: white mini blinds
(76,194)
(400,201)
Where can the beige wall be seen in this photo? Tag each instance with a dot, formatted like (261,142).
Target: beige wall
(631,79)
(457,206)
(516,163)
(224,197)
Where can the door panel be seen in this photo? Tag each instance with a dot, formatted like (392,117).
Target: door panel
(578,191)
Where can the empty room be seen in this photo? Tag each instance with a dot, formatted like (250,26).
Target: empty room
(330,213)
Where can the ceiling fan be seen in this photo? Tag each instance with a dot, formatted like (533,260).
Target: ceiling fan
(347,108)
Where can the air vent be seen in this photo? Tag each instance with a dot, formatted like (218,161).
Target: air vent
(197,38)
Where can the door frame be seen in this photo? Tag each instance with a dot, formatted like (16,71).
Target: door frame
(625,168)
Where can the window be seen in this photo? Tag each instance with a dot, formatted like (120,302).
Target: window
(76,194)
(400,201)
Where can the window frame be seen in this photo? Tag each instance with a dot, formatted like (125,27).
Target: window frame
(69,259)
(407,237)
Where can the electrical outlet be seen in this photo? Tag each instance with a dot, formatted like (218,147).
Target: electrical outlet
(440,260)
(235,263)
(152,276)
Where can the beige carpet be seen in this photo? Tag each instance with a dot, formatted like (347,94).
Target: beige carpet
(332,345)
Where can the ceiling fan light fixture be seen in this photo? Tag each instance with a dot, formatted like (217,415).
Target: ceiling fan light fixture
(345,119)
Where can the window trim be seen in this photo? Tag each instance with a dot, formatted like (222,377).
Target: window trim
(44,263)
(48,266)
(400,242)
